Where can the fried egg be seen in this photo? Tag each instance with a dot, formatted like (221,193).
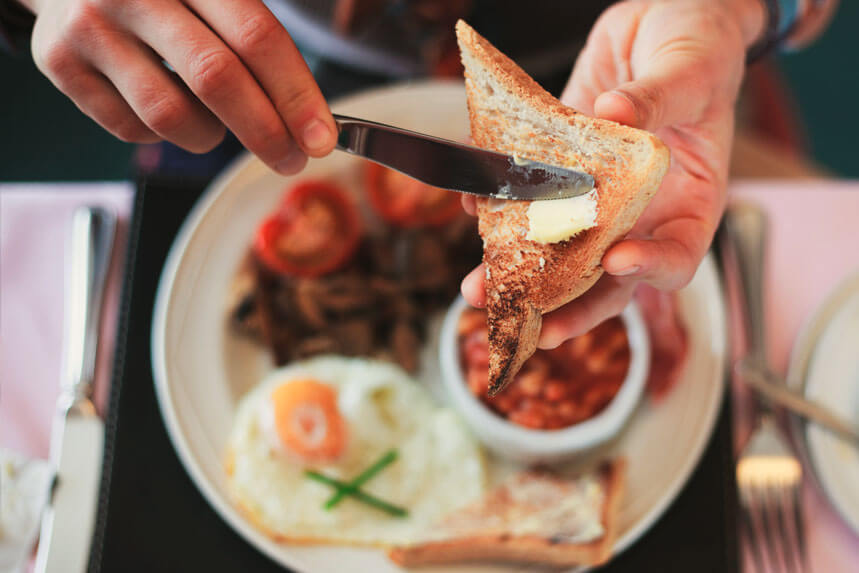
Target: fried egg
(338,416)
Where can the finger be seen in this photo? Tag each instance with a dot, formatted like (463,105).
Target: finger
(92,93)
(604,59)
(473,287)
(668,261)
(607,298)
(582,87)
(219,79)
(670,91)
(469,204)
(165,107)
(263,44)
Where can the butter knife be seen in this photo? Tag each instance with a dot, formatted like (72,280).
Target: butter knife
(77,436)
(456,166)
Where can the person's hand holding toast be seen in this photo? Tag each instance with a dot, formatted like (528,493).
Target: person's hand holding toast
(673,68)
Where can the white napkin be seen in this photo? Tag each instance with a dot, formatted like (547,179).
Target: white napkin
(24,487)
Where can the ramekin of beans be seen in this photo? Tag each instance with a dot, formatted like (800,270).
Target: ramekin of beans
(563,402)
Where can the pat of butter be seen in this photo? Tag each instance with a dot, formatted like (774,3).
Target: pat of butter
(561,219)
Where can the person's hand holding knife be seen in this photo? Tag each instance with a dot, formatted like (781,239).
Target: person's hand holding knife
(237,68)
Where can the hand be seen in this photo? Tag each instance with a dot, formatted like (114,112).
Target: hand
(235,67)
(673,68)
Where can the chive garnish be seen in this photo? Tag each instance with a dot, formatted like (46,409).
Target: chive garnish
(359,495)
(365,476)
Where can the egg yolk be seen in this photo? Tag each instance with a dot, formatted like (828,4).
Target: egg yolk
(308,421)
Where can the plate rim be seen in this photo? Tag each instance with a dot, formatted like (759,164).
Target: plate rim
(708,265)
(799,362)
(228,513)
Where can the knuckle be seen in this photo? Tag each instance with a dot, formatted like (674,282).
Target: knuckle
(257,33)
(166,114)
(130,130)
(211,72)
(117,117)
(56,58)
(209,141)
(298,97)
(683,271)
(84,20)
(267,138)
(647,98)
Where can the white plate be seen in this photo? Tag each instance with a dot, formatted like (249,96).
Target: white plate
(201,370)
(825,366)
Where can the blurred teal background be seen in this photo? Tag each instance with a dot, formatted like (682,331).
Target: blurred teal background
(45,137)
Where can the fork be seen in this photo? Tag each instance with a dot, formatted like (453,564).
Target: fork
(769,475)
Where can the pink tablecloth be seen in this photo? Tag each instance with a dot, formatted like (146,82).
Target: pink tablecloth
(815,233)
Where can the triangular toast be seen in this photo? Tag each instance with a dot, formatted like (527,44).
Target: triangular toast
(525,279)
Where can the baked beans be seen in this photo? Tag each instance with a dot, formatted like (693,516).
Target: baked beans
(555,388)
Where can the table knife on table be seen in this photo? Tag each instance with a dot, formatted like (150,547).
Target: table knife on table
(456,166)
(77,435)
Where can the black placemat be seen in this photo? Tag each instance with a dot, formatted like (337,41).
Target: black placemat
(152,518)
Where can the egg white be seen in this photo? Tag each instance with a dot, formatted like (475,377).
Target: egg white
(440,465)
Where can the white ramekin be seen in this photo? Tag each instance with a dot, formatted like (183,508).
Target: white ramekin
(524,445)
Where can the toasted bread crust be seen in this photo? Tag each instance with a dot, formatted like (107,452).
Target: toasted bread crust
(527,549)
(511,113)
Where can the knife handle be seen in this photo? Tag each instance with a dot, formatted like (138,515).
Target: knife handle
(92,235)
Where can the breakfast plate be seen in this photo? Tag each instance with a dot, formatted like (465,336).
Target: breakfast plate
(202,369)
(825,367)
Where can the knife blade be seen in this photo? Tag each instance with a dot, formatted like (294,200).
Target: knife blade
(77,435)
(458,167)
(773,387)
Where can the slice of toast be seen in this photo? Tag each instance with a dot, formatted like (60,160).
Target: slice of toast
(511,113)
(536,517)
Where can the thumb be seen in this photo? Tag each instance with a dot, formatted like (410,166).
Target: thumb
(671,91)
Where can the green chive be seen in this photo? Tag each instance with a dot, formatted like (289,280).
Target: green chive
(359,495)
(363,478)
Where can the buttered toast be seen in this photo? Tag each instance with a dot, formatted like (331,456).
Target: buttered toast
(509,112)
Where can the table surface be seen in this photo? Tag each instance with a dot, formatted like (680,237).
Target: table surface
(34,223)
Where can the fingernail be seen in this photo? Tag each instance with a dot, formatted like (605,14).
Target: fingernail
(316,134)
(627,271)
(292,163)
